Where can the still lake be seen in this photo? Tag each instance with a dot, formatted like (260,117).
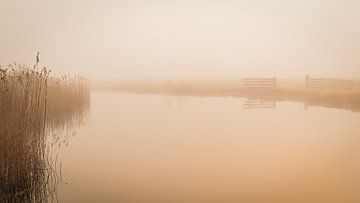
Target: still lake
(167,149)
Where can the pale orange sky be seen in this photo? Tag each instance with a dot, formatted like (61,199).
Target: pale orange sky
(116,39)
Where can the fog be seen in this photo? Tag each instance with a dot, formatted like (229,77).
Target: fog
(180,101)
(192,39)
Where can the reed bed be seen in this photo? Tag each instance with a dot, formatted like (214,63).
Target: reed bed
(68,106)
(32,103)
(72,92)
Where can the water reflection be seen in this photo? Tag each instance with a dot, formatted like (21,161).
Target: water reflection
(259,104)
(139,150)
(209,150)
(270,102)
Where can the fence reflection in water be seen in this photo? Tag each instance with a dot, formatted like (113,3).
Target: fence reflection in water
(259,104)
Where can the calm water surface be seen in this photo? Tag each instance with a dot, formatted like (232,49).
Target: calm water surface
(148,148)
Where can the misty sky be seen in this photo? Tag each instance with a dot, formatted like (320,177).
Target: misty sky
(182,38)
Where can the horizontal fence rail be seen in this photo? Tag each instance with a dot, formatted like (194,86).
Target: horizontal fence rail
(260,82)
(326,83)
(259,104)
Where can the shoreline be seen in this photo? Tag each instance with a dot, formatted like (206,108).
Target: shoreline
(348,99)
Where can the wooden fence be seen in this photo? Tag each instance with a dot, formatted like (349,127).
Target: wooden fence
(259,104)
(326,83)
(260,82)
